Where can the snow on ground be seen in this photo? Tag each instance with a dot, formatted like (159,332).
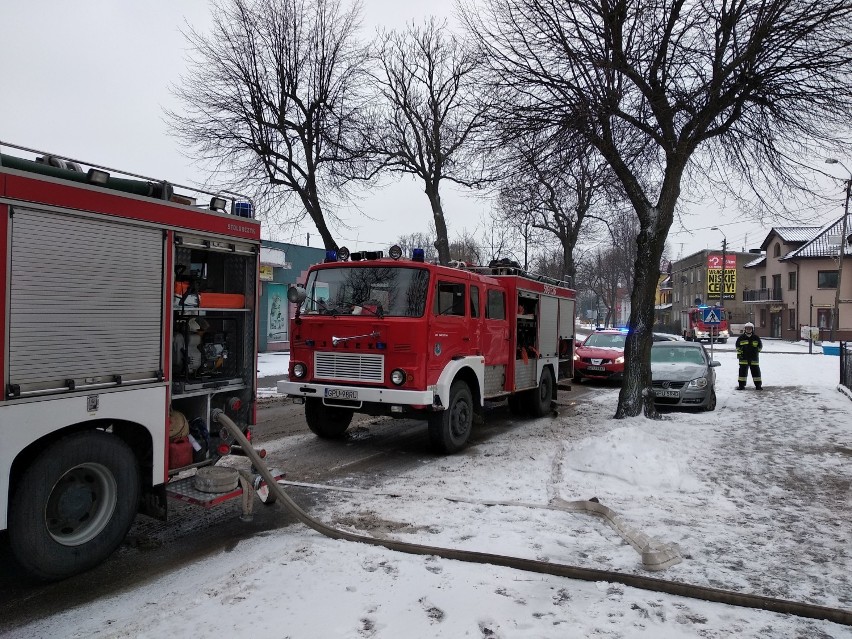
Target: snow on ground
(756,496)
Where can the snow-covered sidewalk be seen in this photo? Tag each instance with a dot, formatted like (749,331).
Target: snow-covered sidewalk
(756,495)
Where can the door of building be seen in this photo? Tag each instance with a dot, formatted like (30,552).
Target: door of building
(775,324)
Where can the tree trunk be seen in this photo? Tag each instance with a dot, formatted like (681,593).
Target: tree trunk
(314,209)
(569,268)
(636,393)
(442,243)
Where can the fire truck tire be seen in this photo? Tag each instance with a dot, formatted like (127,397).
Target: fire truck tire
(327,422)
(450,429)
(73,505)
(538,400)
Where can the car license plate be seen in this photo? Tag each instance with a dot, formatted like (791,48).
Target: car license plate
(595,368)
(339,393)
(667,393)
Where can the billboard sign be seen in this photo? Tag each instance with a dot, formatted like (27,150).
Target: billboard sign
(714,276)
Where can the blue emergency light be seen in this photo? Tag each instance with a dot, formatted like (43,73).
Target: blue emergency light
(418,255)
(242,209)
(331,256)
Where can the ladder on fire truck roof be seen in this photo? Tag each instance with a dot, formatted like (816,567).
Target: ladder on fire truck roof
(53,165)
(508,267)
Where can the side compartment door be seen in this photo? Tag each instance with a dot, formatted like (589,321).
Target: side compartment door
(86,304)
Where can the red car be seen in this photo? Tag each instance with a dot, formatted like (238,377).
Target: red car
(600,356)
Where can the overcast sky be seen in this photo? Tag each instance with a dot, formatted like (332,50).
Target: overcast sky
(90,80)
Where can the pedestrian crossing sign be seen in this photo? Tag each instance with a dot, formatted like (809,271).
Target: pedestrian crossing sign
(711,316)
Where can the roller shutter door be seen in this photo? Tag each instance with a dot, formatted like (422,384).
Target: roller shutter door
(86,300)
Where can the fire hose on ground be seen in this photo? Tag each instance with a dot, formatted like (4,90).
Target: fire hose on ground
(705,593)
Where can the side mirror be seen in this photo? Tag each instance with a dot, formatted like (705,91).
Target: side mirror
(714,363)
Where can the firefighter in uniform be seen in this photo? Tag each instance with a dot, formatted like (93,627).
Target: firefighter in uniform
(748,352)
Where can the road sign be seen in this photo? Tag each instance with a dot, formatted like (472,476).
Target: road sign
(711,316)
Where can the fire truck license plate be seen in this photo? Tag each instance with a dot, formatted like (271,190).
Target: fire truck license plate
(595,368)
(338,393)
(668,393)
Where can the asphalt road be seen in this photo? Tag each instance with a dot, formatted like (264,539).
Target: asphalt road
(373,447)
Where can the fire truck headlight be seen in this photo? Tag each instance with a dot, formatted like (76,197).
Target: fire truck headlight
(619,360)
(397,376)
(299,370)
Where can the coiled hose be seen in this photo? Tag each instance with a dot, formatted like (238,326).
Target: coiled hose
(716,595)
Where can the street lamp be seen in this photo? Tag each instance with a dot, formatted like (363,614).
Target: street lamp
(724,256)
(835,321)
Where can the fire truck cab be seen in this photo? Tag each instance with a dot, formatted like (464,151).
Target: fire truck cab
(402,337)
(129,316)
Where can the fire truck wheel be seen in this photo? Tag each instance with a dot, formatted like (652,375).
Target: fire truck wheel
(74,505)
(450,429)
(328,422)
(538,400)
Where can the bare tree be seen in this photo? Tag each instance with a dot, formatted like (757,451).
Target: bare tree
(669,90)
(271,97)
(429,116)
(425,241)
(557,191)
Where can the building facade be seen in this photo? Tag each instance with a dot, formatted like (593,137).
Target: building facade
(798,282)
(281,265)
(696,280)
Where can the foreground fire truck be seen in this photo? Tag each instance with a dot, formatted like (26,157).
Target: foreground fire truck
(400,337)
(121,300)
(694,329)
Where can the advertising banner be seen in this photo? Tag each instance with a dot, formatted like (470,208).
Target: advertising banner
(714,276)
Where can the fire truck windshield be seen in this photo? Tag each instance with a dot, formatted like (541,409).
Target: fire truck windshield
(386,291)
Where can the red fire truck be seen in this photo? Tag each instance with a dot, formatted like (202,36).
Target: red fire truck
(121,300)
(694,329)
(402,337)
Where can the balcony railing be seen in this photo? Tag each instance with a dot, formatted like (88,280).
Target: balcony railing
(763,295)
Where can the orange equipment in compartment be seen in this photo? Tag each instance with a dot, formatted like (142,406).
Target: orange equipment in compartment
(214,300)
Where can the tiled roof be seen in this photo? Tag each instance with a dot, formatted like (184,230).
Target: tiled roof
(792,234)
(826,243)
(760,260)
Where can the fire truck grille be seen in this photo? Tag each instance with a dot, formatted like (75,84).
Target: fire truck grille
(349,367)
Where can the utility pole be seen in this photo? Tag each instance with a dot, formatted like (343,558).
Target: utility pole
(835,323)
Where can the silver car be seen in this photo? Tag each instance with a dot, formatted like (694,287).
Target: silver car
(682,375)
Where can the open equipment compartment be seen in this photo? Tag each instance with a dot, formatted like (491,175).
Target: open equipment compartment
(213,332)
